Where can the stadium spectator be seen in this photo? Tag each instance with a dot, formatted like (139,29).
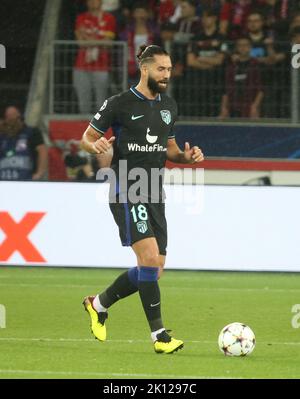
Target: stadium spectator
(277,15)
(243,86)
(233,16)
(189,23)
(262,44)
(23,154)
(91,71)
(127,6)
(177,12)
(78,164)
(214,5)
(141,31)
(167,35)
(114,7)
(271,57)
(166,10)
(205,59)
(110,6)
(187,26)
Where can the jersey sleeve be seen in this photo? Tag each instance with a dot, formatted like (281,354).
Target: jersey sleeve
(174,114)
(106,116)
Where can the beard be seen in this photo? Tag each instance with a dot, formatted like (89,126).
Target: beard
(154,86)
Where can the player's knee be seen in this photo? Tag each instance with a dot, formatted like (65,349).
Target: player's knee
(150,259)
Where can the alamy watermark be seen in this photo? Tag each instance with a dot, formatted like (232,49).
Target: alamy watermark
(296,317)
(2,316)
(2,57)
(184,186)
(296,57)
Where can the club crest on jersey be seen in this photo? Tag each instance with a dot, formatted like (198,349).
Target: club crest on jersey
(166,116)
(142,227)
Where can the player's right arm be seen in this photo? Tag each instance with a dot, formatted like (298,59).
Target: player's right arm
(94,142)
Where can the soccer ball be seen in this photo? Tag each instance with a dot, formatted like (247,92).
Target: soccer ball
(236,339)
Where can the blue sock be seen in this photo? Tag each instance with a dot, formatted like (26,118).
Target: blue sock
(146,273)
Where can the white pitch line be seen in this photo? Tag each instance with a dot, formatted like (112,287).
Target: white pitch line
(50,285)
(129,341)
(119,375)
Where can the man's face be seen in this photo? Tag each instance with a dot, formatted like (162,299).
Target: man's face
(11,114)
(13,121)
(255,23)
(93,5)
(159,73)
(187,10)
(243,47)
(140,14)
(208,20)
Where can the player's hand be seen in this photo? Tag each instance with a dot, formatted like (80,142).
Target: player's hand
(102,145)
(193,154)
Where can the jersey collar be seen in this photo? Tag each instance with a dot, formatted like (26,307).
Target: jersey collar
(142,97)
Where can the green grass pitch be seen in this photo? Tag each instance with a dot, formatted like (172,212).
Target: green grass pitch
(47,332)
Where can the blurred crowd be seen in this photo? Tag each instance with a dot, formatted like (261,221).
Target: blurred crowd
(231,58)
(24,153)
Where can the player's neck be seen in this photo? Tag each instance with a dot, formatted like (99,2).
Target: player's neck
(146,91)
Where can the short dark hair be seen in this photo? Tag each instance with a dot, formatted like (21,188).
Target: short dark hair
(147,53)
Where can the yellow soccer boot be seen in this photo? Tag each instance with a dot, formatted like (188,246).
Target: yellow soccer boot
(166,344)
(98,327)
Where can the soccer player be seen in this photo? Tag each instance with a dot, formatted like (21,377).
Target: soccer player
(142,119)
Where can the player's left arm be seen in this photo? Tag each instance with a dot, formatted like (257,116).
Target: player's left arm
(189,155)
